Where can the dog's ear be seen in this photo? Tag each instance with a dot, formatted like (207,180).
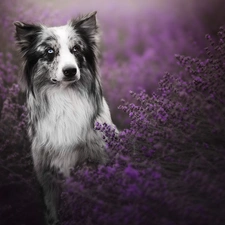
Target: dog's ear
(87,24)
(26,34)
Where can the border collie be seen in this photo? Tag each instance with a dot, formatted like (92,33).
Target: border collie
(64,100)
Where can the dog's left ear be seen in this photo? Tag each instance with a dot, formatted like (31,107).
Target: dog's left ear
(87,24)
(26,34)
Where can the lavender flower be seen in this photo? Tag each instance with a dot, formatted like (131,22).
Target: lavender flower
(167,168)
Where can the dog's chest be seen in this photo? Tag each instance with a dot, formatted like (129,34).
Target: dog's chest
(66,121)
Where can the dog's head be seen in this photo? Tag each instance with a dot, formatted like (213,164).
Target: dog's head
(56,55)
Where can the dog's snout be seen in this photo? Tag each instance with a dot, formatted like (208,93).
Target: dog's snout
(69,71)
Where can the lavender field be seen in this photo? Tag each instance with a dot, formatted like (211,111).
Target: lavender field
(163,75)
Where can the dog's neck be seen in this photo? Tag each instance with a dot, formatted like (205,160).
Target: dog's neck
(61,114)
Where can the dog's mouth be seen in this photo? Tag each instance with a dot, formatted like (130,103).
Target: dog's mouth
(65,80)
(70,80)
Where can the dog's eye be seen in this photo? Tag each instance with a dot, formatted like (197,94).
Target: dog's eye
(75,49)
(50,54)
(50,51)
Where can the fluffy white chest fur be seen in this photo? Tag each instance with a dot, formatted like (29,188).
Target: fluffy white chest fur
(65,129)
(67,121)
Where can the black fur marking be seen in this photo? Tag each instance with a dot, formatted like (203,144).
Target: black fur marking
(27,36)
(50,39)
(89,52)
(80,59)
(87,29)
(32,58)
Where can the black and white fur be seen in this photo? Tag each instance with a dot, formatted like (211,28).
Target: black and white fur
(64,99)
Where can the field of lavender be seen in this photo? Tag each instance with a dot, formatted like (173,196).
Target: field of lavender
(164,80)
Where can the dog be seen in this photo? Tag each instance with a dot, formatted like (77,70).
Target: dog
(64,100)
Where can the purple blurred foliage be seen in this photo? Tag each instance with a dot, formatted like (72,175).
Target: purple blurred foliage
(167,166)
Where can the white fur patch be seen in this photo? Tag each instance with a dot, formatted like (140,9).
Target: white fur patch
(66,58)
(67,120)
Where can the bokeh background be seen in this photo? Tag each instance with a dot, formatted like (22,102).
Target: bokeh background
(139,38)
(139,41)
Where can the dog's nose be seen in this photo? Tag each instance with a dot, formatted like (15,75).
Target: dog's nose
(69,71)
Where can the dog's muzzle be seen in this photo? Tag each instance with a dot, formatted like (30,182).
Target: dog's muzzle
(70,73)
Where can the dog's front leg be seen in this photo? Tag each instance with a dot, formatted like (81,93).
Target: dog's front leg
(51,194)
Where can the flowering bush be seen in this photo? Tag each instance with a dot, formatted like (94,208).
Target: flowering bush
(167,166)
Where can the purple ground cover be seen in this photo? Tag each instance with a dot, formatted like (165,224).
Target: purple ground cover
(167,164)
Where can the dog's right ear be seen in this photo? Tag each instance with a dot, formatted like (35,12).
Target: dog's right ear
(26,34)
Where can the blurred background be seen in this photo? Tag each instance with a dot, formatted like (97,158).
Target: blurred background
(139,38)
